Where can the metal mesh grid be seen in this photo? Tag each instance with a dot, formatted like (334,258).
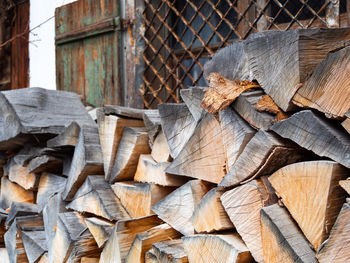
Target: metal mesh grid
(180,35)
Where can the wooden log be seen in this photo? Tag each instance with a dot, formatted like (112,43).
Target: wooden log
(133,143)
(37,111)
(138,198)
(170,251)
(236,133)
(322,137)
(149,171)
(203,156)
(209,215)
(122,111)
(281,238)
(44,258)
(4,255)
(243,205)
(68,138)
(124,232)
(311,192)
(336,248)
(177,208)
(26,153)
(49,185)
(110,129)
(96,197)
(11,192)
(20,175)
(151,118)
(193,98)
(89,260)
(345,184)
(100,229)
(34,244)
(264,154)
(281,60)
(20,209)
(216,248)
(326,89)
(346,122)
(143,242)
(150,257)
(45,163)
(160,149)
(87,160)
(178,125)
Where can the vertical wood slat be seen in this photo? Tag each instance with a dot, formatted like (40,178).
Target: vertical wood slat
(332,13)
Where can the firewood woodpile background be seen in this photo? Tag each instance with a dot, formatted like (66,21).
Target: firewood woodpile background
(252,168)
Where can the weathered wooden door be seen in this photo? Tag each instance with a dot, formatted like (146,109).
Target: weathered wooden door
(88,50)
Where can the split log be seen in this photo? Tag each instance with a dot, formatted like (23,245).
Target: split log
(150,257)
(45,163)
(110,129)
(264,154)
(346,122)
(100,229)
(149,171)
(96,197)
(4,255)
(193,98)
(322,137)
(345,184)
(27,153)
(87,160)
(281,238)
(89,260)
(243,205)
(216,248)
(124,232)
(209,215)
(37,111)
(337,248)
(20,175)
(143,242)
(203,156)
(138,198)
(49,185)
(34,244)
(20,209)
(170,251)
(11,192)
(151,118)
(44,258)
(177,208)
(223,92)
(178,125)
(236,133)
(133,143)
(122,111)
(327,89)
(281,60)
(311,193)
(68,138)
(160,149)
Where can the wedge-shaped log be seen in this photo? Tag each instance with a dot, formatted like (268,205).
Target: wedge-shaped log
(209,215)
(45,163)
(143,242)
(177,208)
(160,149)
(149,171)
(243,205)
(37,111)
(11,192)
(327,89)
(193,98)
(138,198)
(151,118)
(311,192)
(124,232)
(264,154)
(96,197)
(170,251)
(20,209)
(203,156)
(100,229)
(337,248)
(68,138)
(133,143)
(236,133)
(178,125)
(87,160)
(150,257)
(27,153)
(346,122)
(281,60)
(281,238)
(322,137)
(216,248)
(110,129)
(35,244)
(345,184)
(20,175)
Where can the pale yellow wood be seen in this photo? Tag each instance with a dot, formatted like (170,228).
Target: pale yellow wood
(89,260)
(346,124)
(311,192)
(11,192)
(345,184)
(160,149)
(4,256)
(19,174)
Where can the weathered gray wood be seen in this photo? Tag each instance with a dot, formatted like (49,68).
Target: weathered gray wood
(160,149)
(264,154)
(45,163)
(123,111)
(100,229)
(97,197)
(30,151)
(281,60)
(313,132)
(151,118)
(68,138)
(87,160)
(171,251)
(20,209)
(35,244)
(178,125)
(281,238)
(193,98)
(133,143)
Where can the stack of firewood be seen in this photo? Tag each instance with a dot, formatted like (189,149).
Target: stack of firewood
(252,168)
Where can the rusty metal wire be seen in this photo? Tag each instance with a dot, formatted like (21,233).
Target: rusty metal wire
(180,36)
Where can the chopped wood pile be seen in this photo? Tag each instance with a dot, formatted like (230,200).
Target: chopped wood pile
(253,168)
